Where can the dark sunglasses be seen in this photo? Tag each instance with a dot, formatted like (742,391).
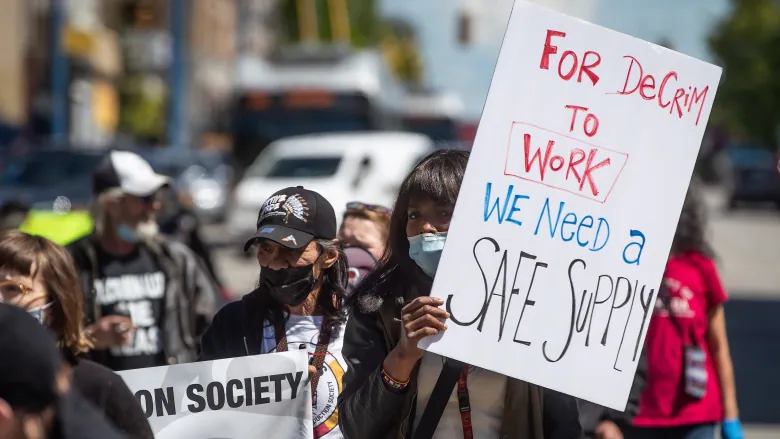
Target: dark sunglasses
(363,207)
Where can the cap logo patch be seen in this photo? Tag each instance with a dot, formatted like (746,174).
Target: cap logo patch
(272,206)
(267,229)
(296,206)
(283,205)
(290,239)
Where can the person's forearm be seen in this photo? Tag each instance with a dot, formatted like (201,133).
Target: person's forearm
(397,366)
(728,389)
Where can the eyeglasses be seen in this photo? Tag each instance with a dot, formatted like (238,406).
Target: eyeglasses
(24,289)
(362,207)
(11,288)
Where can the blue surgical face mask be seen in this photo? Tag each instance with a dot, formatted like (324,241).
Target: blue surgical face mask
(38,312)
(127,233)
(425,249)
(144,230)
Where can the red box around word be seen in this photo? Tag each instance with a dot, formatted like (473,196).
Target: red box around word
(562,162)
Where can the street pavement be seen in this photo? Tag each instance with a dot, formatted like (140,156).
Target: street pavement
(748,246)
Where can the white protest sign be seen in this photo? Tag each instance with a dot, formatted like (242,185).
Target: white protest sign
(238,398)
(569,204)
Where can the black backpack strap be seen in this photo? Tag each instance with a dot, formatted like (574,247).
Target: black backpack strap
(440,396)
(89,253)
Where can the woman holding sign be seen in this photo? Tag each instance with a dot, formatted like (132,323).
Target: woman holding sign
(392,390)
(690,385)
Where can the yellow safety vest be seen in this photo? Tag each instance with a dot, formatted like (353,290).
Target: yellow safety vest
(62,228)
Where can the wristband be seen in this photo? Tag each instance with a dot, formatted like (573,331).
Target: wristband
(393,383)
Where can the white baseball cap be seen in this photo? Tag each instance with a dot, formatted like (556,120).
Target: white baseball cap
(128,172)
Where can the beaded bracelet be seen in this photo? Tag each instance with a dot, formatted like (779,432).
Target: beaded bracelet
(397,385)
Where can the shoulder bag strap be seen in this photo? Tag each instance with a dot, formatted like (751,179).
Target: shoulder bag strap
(280,333)
(317,360)
(440,396)
(319,357)
(464,403)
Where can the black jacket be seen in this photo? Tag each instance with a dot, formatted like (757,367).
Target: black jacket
(77,418)
(107,391)
(369,409)
(236,331)
(591,415)
(190,293)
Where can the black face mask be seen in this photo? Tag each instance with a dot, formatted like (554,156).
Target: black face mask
(290,286)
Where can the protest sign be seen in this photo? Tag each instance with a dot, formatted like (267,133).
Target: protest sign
(238,398)
(569,204)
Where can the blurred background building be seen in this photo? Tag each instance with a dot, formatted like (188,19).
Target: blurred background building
(162,72)
(214,73)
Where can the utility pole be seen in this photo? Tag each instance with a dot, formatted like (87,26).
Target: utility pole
(59,74)
(241,19)
(177,120)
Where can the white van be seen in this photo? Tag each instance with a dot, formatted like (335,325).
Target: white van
(361,166)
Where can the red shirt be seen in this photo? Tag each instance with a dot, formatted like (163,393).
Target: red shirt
(695,289)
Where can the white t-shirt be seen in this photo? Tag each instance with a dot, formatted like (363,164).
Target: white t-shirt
(486,397)
(305,330)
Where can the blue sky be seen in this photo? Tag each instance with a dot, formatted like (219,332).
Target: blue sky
(685,23)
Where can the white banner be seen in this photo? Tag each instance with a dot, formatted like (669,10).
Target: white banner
(569,204)
(239,398)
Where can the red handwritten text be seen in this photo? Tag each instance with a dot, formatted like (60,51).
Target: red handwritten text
(591,124)
(562,162)
(666,92)
(569,63)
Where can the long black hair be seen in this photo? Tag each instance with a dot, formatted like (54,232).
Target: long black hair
(438,177)
(691,233)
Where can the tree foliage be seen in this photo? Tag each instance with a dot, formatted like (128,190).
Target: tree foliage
(143,100)
(399,45)
(362,14)
(393,37)
(747,45)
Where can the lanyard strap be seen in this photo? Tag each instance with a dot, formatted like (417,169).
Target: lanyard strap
(319,351)
(463,403)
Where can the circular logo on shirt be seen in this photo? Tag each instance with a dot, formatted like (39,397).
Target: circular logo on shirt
(325,413)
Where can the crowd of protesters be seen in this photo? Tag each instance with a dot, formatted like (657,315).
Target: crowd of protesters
(131,296)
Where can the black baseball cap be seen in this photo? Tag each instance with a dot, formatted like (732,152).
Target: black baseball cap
(29,364)
(293,217)
(30,361)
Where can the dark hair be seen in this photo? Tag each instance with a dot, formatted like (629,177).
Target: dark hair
(333,292)
(691,233)
(12,215)
(437,177)
(55,269)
